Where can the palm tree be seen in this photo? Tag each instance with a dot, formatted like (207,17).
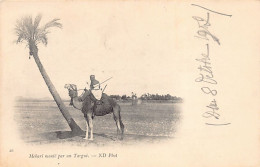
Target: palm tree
(32,34)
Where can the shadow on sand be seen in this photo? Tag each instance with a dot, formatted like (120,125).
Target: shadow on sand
(99,138)
(68,134)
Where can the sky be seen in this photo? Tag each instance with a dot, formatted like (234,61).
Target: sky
(138,50)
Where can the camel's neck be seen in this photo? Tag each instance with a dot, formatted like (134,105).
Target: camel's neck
(76,103)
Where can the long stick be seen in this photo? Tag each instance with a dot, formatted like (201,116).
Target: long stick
(106,80)
(104,89)
(100,84)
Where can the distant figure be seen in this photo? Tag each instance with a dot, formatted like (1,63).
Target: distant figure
(134,99)
(95,87)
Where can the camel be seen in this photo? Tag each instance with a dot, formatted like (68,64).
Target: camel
(85,103)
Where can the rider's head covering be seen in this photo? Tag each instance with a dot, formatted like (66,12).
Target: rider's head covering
(92,77)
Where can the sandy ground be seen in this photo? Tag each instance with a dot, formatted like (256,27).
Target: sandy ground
(42,123)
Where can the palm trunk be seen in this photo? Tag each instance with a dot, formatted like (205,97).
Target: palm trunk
(72,124)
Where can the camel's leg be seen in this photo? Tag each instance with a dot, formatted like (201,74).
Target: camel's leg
(119,123)
(89,115)
(87,126)
(122,129)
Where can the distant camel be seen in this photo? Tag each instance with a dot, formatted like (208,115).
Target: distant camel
(86,105)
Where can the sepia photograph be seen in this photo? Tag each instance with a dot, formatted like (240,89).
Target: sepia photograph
(149,115)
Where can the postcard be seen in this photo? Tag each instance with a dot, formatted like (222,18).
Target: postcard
(129,83)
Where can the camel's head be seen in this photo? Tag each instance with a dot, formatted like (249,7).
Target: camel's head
(72,90)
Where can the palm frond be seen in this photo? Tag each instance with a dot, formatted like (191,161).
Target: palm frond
(28,23)
(44,40)
(21,31)
(41,34)
(53,23)
(37,21)
(28,29)
(42,37)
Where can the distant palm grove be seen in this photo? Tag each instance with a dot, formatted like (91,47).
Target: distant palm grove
(148,96)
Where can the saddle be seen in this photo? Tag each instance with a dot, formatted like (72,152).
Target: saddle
(100,107)
(96,101)
(83,96)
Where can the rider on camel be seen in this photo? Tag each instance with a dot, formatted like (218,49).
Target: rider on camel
(95,87)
